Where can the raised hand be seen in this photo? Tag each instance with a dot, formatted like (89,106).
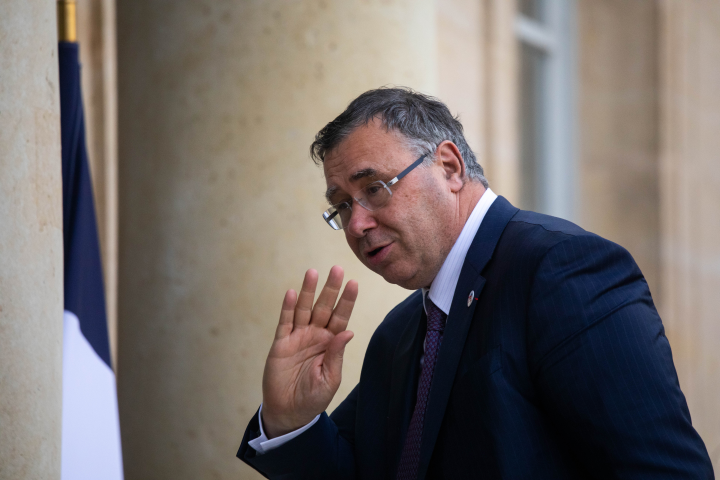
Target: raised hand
(304,367)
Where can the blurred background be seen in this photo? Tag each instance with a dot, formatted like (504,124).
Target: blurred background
(199,116)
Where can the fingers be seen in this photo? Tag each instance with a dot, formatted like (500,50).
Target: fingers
(328,296)
(341,315)
(285,326)
(332,363)
(303,308)
(298,310)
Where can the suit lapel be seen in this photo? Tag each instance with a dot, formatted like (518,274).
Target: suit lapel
(458,323)
(405,366)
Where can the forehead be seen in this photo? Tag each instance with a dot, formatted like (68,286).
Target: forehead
(368,149)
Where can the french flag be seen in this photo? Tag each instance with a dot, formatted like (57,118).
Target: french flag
(90,424)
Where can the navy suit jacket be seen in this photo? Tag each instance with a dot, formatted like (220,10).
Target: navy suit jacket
(559,368)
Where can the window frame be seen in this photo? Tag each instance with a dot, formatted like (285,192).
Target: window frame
(555,36)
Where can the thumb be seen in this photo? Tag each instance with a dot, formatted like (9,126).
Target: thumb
(334,355)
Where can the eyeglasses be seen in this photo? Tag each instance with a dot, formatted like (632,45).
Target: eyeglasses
(371,197)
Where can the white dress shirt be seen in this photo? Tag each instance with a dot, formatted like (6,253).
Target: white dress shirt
(441,292)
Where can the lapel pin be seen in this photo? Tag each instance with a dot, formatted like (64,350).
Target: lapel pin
(471,296)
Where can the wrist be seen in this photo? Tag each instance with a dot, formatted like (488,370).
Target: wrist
(274,425)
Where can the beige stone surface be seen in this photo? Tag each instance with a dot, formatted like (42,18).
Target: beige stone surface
(477,79)
(618,186)
(690,199)
(220,204)
(460,67)
(31,250)
(500,93)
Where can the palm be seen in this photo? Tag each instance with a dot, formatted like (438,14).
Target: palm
(303,369)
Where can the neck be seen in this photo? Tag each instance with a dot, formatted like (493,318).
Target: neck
(468,198)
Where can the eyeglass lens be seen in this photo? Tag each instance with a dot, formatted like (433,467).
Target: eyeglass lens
(373,196)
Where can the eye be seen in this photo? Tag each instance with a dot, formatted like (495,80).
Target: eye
(342,206)
(373,189)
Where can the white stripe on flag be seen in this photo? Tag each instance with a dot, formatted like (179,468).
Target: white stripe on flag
(90,425)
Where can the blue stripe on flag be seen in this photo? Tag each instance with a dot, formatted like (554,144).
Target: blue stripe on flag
(84,293)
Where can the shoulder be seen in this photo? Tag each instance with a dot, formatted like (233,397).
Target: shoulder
(541,237)
(537,228)
(547,256)
(578,279)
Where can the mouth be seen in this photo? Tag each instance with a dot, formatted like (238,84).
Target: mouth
(377,254)
(372,253)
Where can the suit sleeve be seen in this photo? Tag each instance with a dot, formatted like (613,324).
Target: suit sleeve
(603,367)
(324,451)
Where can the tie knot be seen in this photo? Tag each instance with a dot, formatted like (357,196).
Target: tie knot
(436,317)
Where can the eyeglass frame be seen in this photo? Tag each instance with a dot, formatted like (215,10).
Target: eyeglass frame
(328,217)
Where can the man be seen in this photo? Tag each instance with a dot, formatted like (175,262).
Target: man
(530,348)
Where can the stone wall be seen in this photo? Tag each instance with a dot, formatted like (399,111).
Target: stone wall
(31,248)
(690,199)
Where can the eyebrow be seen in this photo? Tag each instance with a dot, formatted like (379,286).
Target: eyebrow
(364,173)
(331,191)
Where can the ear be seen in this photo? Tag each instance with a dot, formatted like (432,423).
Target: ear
(449,158)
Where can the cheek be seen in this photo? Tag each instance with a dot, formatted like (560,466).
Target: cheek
(422,232)
(351,241)
(354,245)
(416,235)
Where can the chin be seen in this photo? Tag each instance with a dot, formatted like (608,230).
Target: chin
(407,280)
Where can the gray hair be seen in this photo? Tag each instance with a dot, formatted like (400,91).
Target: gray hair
(424,121)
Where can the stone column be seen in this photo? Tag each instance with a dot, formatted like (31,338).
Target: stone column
(618,164)
(500,82)
(689,199)
(220,204)
(31,249)
(461,67)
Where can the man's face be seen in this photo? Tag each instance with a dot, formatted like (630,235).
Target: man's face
(406,241)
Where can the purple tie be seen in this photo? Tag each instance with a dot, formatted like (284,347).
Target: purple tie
(410,458)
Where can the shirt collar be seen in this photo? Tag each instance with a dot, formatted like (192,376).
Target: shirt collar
(442,289)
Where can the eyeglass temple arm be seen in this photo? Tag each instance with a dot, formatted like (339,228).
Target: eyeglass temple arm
(406,171)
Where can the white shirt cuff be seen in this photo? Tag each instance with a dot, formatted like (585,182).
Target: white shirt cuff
(262,445)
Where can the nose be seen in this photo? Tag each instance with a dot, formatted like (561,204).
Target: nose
(361,220)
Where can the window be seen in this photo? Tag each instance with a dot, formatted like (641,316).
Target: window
(546,33)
